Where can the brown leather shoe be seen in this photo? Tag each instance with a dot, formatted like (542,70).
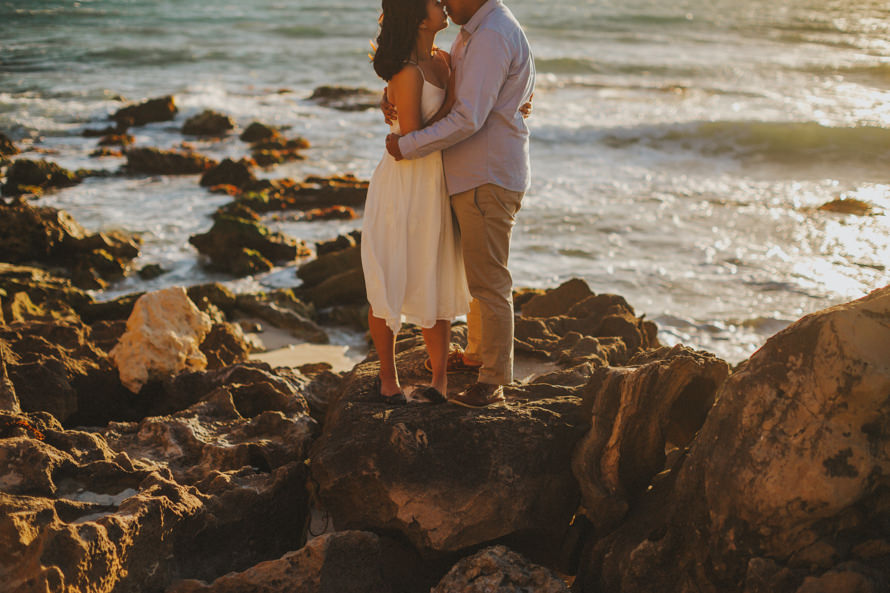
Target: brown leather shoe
(455,363)
(479,395)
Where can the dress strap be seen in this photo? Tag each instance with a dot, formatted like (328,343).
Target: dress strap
(414,63)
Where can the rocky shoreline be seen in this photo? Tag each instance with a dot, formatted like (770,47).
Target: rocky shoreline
(144,450)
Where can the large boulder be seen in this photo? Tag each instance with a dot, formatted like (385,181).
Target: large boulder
(785,488)
(231,239)
(163,337)
(152,110)
(499,570)
(654,404)
(167,162)
(445,477)
(342,562)
(28,176)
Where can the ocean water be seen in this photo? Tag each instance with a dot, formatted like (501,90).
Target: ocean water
(680,148)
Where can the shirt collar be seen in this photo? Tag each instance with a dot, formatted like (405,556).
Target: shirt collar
(484,10)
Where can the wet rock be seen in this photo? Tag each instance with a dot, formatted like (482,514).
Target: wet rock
(208,123)
(789,465)
(215,294)
(106,131)
(229,172)
(163,337)
(342,562)
(167,162)
(346,98)
(7,148)
(229,237)
(151,271)
(655,403)
(258,132)
(282,309)
(330,213)
(333,279)
(320,269)
(106,152)
(29,176)
(152,110)
(44,296)
(499,570)
(445,477)
(224,346)
(55,367)
(847,206)
(340,243)
(117,140)
(278,150)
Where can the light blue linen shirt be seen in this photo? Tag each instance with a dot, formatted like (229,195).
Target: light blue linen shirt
(484,138)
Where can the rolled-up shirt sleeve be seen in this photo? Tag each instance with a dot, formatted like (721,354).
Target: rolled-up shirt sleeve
(479,77)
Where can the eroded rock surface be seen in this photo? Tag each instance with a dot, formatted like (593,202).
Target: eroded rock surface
(785,486)
(499,570)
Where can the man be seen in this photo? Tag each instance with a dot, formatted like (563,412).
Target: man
(484,141)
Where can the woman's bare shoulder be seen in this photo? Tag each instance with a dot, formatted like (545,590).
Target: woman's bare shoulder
(409,75)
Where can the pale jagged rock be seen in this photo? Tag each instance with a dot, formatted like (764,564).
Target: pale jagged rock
(791,465)
(499,570)
(163,337)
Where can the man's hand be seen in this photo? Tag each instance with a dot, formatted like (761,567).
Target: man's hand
(526,108)
(389,110)
(392,146)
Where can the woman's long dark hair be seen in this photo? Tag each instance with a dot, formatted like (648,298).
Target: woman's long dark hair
(398,33)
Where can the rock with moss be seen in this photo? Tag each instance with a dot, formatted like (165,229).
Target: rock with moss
(166,162)
(7,148)
(232,242)
(32,293)
(229,172)
(258,132)
(345,98)
(152,110)
(28,176)
(208,123)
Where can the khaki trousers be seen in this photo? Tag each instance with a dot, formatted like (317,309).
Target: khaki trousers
(486,216)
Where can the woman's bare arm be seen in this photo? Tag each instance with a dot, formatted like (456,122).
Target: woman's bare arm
(405,90)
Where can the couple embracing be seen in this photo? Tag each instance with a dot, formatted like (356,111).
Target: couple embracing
(442,202)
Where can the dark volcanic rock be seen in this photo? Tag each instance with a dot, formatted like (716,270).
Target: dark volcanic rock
(167,162)
(499,570)
(27,176)
(785,487)
(232,238)
(208,123)
(346,98)
(340,243)
(449,478)
(282,309)
(116,140)
(229,172)
(152,110)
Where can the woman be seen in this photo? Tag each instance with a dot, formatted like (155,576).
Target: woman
(410,254)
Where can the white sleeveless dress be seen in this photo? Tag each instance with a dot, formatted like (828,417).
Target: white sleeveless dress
(413,267)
